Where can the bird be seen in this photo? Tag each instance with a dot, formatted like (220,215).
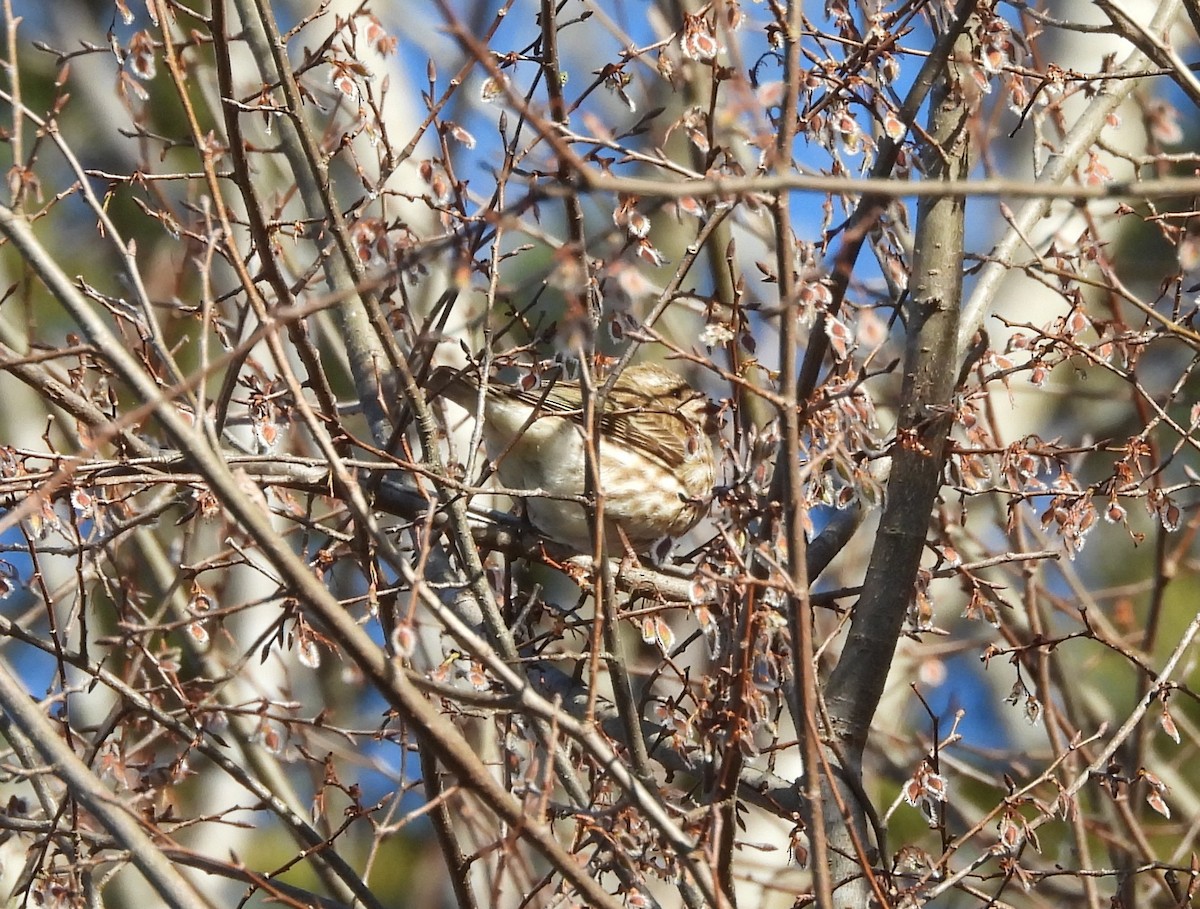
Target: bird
(657,468)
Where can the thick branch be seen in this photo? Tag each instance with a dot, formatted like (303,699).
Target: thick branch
(929,370)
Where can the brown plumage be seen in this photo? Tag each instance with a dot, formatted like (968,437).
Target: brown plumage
(656,464)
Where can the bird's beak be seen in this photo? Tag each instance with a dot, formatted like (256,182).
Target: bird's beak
(712,418)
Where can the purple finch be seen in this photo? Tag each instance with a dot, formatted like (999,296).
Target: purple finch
(656,464)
